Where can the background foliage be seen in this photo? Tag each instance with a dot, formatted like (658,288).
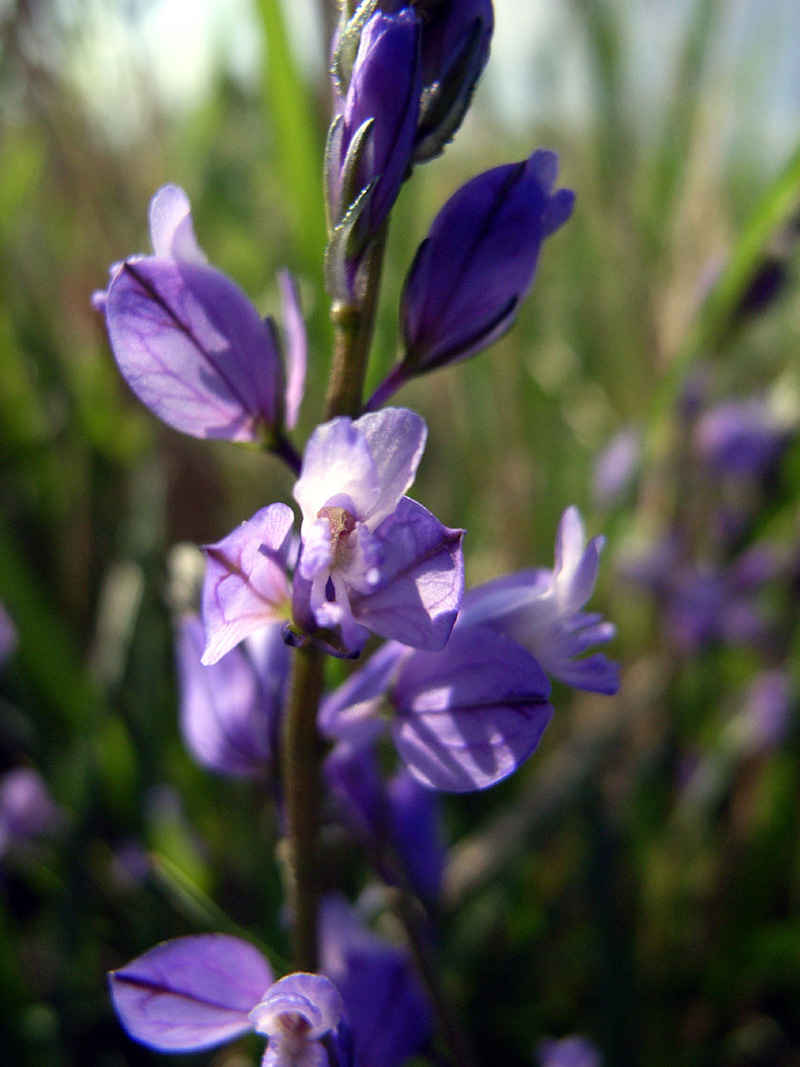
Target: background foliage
(595,891)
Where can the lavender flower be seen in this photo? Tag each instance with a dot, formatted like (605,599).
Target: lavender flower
(189,342)
(383,999)
(461,719)
(27,811)
(476,264)
(371,558)
(230,711)
(8,636)
(573,1051)
(246,584)
(743,438)
(197,992)
(615,467)
(541,610)
(401,814)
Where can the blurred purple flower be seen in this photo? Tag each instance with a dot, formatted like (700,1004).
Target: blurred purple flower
(461,718)
(189,342)
(8,636)
(541,610)
(197,992)
(230,710)
(703,603)
(371,558)
(568,1052)
(383,998)
(615,466)
(246,584)
(400,813)
(768,711)
(476,264)
(27,811)
(742,438)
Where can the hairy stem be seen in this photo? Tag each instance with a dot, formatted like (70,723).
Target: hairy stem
(354,325)
(302,752)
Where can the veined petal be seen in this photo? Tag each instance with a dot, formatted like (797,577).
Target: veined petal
(421,580)
(190,993)
(312,996)
(229,711)
(245,583)
(388,1010)
(396,439)
(347,714)
(468,716)
(171,228)
(296,346)
(193,348)
(337,462)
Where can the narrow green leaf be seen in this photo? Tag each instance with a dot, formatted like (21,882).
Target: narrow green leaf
(201,910)
(298,139)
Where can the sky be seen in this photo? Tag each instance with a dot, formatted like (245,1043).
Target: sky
(538,66)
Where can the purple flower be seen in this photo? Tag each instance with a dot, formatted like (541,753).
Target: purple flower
(189,342)
(568,1052)
(371,141)
(8,635)
(383,999)
(455,47)
(371,558)
(197,992)
(400,813)
(461,718)
(230,711)
(27,811)
(541,610)
(246,584)
(766,717)
(743,438)
(615,466)
(415,818)
(476,264)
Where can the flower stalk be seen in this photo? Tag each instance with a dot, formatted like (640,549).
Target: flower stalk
(302,751)
(354,326)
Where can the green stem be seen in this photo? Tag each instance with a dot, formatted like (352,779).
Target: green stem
(302,752)
(354,326)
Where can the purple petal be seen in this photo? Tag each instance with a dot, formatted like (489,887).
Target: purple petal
(415,816)
(385,1004)
(471,714)
(296,346)
(346,713)
(337,462)
(171,229)
(313,996)
(193,348)
(245,584)
(396,439)
(421,580)
(8,635)
(352,777)
(27,811)
(386,87)
(229,711)
(190,993)
(479,260)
